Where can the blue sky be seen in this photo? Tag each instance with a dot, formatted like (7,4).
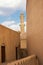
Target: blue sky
(10,11)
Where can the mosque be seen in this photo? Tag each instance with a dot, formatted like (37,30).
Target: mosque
(10,41)
(33,38)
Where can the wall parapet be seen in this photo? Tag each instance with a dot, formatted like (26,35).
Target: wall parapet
(30,60)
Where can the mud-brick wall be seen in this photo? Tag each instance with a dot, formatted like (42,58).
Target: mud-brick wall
(35,28)
(10,39)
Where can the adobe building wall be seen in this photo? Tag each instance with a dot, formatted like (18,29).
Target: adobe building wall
(35,28)
(11,39)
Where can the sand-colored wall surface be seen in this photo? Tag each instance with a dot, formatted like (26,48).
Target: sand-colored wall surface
(11,39)
(35,28)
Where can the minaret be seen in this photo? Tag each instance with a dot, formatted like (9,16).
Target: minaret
(22,22)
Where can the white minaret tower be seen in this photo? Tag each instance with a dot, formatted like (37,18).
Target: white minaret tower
(22,22)
(23,44)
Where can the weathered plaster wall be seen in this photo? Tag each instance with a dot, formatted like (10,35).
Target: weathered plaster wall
(35,28)
(11,39)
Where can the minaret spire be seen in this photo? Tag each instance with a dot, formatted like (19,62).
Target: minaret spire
(22,22)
